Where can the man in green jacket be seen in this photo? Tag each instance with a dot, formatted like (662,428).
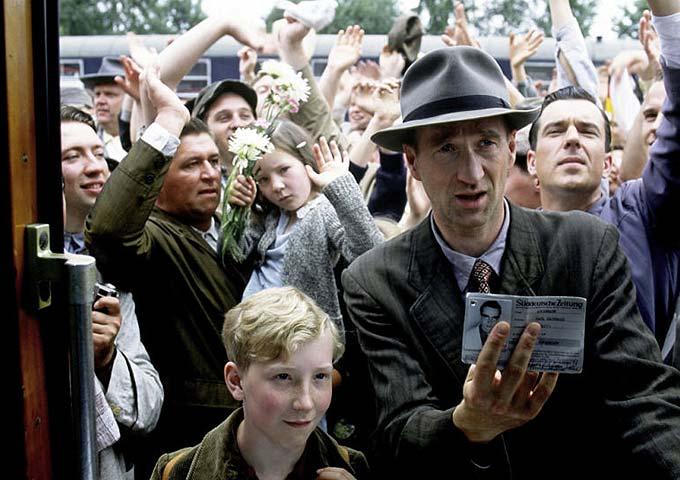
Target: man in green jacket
(153,232)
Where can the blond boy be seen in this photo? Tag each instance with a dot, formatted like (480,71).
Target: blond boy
(281,347)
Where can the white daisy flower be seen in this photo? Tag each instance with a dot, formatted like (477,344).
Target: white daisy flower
(248,143)
(276,69)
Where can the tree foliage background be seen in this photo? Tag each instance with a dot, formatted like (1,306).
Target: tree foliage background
(111,17)
(498,17)
(375,16)
(627,22)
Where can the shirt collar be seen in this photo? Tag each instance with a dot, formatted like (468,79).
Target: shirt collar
(597,207)
(462,264)
(74,242)
(210,235)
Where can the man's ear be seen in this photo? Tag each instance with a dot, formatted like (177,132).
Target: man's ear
(531,163)
(232,377)
(606,168)
(512,148)
(410,155)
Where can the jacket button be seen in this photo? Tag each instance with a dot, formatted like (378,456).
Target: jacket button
(148,179)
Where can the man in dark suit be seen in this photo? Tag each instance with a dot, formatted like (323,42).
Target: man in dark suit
(620,417)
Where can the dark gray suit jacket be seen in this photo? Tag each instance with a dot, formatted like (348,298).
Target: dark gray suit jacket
(621,415)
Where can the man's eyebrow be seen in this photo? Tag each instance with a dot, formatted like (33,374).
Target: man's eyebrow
(579,124)
(490,132)
(444,132)
(555,123)
(587,124)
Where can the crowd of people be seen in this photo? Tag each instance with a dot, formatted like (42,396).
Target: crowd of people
(386,195)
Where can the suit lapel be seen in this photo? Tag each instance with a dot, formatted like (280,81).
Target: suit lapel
(438,311)
(522,266)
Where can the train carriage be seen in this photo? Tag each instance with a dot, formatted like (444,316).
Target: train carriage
(83,55)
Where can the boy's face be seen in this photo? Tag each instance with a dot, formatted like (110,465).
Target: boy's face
(284,401)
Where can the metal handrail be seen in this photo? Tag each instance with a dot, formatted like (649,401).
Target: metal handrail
(81,277)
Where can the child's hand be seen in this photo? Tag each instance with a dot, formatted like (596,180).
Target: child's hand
(329,161)
(334,473)
(243,192)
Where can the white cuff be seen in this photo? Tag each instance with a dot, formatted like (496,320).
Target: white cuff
(160,139)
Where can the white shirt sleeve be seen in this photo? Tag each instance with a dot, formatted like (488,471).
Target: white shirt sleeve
(160,139)
(668,28)
(570,41)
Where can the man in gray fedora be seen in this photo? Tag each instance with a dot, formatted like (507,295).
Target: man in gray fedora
(108,99)
(435,416)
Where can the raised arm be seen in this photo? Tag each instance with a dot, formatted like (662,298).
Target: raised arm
(115,228)
(355,232)
(574,66)
(382,101)
(521,48)
(131,109)
(247,61)
(344,54)
(662,8)
(460,34)
(315,114)
(182,54)
(634,152)
(661,176)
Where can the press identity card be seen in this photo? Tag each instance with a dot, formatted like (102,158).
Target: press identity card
(560,343)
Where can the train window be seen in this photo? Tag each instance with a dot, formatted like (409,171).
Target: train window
(201,68)
(197,78)
(540,70)
(71,68)
(318,66)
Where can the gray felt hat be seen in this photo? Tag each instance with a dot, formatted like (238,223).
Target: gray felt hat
(109,69)
(451,84)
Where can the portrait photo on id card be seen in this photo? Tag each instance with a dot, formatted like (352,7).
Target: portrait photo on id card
(482,316)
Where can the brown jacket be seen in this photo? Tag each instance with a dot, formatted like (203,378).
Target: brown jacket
(218,457)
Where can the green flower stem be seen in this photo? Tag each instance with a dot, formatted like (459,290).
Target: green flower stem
(234,218)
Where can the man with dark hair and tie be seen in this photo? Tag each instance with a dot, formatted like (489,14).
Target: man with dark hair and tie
(619,418)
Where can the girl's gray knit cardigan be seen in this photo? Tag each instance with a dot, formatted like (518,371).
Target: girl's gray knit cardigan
(337,223)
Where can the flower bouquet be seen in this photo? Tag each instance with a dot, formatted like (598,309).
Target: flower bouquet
(249,144)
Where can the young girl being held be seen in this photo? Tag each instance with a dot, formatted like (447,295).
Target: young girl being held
(313,213)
